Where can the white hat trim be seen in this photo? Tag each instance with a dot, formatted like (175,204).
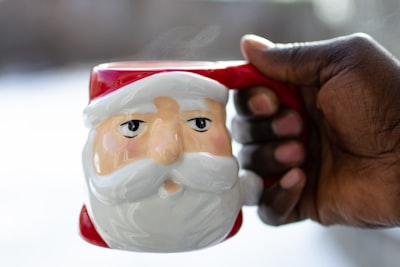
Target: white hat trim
(176,84)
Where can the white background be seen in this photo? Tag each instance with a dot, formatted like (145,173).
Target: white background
(41,193)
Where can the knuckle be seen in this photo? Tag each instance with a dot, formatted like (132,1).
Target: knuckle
(358,45)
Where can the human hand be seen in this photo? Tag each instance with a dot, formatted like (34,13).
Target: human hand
(351,91)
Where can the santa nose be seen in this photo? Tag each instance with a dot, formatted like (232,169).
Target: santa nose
(166,144)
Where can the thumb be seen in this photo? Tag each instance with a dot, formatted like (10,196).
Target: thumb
(304,64)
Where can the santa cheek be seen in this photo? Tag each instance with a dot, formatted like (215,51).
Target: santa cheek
(220,144)
(110,143)
(124,150)
(135,151)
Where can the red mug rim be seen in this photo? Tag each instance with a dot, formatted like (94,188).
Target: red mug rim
(168,65)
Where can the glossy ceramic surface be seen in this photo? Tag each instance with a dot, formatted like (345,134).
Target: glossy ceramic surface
(158,162)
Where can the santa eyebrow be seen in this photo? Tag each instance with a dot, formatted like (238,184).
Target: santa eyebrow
(192,104)
(144,107)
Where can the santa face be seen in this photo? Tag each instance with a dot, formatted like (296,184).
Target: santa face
(161,132)
(163,178)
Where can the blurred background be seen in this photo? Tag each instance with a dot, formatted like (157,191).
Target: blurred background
(51,33)
(47,49)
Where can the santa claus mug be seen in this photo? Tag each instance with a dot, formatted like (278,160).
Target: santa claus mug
(158,161)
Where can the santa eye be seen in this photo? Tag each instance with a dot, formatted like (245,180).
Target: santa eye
(200,124)
(131,128)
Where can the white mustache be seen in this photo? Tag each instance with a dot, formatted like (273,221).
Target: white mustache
(199,171)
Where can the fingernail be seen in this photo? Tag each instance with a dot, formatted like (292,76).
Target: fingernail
(289,153)
(290,179)
(289,124)
(257,41)
(261,104)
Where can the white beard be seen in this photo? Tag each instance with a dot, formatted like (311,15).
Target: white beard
(131,210)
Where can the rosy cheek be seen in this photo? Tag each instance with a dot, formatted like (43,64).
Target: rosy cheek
(110,143)
(136,150)
(124,150)
(221,144)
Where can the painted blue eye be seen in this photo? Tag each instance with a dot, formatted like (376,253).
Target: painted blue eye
(200,124)
(132,128)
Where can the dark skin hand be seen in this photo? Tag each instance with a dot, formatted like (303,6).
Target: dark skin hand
(349,173)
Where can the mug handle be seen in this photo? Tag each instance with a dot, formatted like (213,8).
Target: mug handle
(245,75)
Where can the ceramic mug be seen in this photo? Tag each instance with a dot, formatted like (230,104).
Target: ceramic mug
(158,161)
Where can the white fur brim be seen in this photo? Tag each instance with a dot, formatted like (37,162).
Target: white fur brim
(176,84)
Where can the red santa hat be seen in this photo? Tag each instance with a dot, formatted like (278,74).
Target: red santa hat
(118,91)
